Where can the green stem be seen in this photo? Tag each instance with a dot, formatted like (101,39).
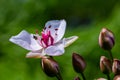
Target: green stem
(59,77)
(83,76)
(108,76)
(111,56)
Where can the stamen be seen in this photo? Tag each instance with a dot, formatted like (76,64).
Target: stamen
(52,40)
(49,41)
(56,34)
(37,31)
(49,26)
(43,44)
(44,28)
(35,37)
(56,29)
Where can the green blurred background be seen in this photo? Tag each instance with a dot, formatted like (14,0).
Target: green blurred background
(85,18)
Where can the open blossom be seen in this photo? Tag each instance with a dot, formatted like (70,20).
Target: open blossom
(49,43)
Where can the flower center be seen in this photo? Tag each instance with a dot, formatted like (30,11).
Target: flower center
(46,39)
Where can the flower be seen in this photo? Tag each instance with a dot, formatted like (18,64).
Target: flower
(49,43)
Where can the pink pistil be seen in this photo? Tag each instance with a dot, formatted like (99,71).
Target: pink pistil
(46,39)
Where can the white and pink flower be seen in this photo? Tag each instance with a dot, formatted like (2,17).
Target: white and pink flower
(49,43)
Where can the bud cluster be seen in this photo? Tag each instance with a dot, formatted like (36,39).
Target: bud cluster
(51,44)
(106,42)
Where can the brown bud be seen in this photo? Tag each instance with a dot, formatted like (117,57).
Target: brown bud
(78,62)
(106,39)
(50,67)
(116,66)
(117,77)
(77,78)
(105,65)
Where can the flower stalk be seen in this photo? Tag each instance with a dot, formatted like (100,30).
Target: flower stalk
(111,56)
(59,77)
(83,76)
(108,76)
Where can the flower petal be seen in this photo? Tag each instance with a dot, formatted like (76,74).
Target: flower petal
(36,54)
(56,28)
(70,40)
(25,40)
(56,49)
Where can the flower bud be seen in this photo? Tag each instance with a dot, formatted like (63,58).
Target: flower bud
(78,62)
(117,77)
(106,39)
(77,78)
(116,66)
(105,65)
(50,67)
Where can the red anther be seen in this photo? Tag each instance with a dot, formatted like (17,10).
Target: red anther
(44,28)
(49,26)
(36,31)
(56,29)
